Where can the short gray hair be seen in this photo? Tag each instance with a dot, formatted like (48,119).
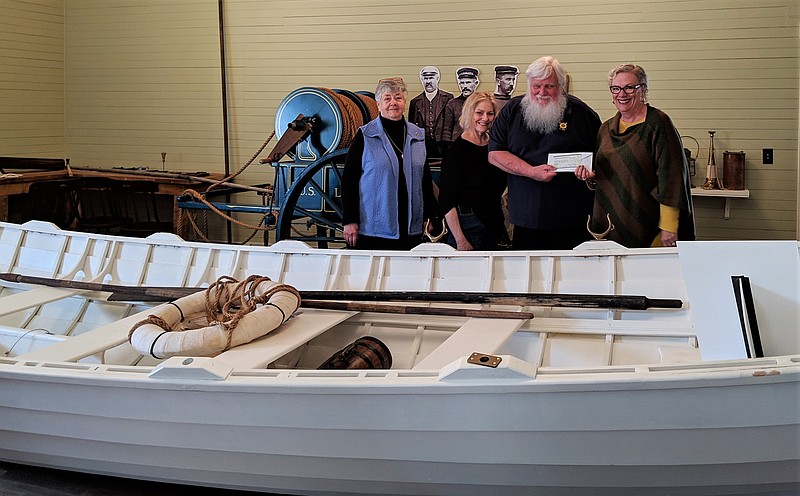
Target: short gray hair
(636,70)
(543,68)
(390,85)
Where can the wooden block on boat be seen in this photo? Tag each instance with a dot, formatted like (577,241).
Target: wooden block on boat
(481,335)
(301,328)
(33,298)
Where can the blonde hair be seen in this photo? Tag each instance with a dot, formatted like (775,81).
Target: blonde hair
(465,121)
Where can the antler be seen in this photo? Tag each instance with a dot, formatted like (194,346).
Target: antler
(599,236)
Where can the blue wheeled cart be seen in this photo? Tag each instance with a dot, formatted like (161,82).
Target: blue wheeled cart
(314,126)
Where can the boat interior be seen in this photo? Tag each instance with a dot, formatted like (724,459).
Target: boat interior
(54,325)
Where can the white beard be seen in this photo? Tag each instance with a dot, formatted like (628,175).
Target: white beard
(543,118)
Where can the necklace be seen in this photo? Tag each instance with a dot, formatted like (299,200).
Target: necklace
(394,145)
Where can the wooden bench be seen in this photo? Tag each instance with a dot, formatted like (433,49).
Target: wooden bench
(33,298)
(89,343)
(481,335)
(307,324)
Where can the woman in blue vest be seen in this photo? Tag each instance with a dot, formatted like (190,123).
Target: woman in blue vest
(387,191)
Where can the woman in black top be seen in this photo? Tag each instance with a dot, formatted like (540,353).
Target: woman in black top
(471,187)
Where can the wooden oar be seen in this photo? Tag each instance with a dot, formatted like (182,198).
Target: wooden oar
(140,293)
(416,310)
(156,293)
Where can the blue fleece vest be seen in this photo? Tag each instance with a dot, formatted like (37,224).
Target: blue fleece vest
(379,176)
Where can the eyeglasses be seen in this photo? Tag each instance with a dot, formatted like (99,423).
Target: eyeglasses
(627,89)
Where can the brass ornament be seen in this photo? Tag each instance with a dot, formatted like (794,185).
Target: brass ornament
(602,235)
(712,182)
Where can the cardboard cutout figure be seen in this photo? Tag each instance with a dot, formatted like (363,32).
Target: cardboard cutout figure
(506,78)
(468,82)
(427,109)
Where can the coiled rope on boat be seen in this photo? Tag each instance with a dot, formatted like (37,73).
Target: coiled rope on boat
(228,313)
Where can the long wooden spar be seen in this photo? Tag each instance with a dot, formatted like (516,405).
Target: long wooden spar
(166,293)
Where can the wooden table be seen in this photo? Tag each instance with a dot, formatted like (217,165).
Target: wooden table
(173,184)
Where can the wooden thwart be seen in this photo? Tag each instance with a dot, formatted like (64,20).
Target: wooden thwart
(474,335)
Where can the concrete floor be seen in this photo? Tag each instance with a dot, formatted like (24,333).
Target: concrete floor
(21,480)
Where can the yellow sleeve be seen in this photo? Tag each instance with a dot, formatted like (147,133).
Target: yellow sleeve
(669,219)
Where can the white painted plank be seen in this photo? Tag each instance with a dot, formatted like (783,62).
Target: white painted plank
(305,325)
(88,343)
(481,335)
(32,298)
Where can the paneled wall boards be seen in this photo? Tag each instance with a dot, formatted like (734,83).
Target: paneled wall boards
(139,77)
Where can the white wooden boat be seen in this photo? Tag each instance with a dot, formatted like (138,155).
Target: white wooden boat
(584,400)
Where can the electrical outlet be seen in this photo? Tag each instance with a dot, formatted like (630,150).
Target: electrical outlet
(766,156)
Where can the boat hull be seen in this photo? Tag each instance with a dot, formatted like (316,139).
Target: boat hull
(330,433)
(583,400)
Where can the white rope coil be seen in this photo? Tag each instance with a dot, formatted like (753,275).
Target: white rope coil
(232,313)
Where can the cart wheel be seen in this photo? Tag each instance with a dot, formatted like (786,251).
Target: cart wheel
(312,208)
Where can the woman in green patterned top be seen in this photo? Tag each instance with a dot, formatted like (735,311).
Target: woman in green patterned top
(640,170)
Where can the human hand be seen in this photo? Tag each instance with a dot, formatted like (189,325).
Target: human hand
(544,173)
(584,174)
(463,245)
(669,238)
(351,234)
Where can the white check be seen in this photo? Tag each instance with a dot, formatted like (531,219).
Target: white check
(568,162)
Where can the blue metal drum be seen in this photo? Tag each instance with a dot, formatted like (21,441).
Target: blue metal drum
(327,127)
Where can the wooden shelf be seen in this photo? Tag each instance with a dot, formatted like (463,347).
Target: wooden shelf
(727,194)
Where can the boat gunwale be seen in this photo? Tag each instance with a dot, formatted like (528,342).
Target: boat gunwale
(700,374)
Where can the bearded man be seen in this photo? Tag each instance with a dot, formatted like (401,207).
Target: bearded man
(548,209)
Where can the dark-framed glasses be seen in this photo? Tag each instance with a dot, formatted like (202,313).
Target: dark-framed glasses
(627,89)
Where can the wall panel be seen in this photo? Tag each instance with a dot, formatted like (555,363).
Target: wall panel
(728,66)
(142,76)
(32,78)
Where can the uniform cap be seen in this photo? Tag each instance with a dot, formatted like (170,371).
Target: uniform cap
(505,69)
(467,72)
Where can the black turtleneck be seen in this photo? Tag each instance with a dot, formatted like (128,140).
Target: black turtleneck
(396,133)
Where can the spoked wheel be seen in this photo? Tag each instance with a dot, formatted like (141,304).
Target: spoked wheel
(312,208)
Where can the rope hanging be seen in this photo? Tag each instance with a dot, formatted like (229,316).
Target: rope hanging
(201,197)
(352,119)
